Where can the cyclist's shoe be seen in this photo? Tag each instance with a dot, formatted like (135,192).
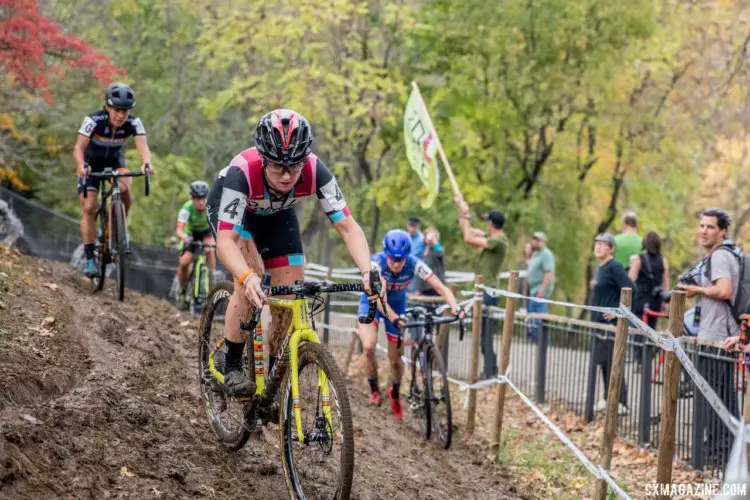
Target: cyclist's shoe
(398,412)
(375,398)
(268,411)
(236,383)
(90,269)
(182,299)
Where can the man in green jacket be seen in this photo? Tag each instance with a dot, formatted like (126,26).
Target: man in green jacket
(494,248)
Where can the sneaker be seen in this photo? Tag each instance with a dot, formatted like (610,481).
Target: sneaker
(90,269)
(622,410)
(395,406)
(182,299)
(375,399)
(601,405)
(236,383)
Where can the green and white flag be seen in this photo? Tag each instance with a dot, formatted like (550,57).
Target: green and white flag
(421,145)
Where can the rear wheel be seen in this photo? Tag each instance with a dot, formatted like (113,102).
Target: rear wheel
(101,252)
(322,464)
(440,397)
(226,415)
(419,396)
(120,241)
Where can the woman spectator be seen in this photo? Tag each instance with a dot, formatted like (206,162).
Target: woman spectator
(649,270)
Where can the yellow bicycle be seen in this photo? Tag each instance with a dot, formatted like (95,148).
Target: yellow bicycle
(317,444)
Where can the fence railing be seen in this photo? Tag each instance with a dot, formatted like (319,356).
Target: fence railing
(554,359)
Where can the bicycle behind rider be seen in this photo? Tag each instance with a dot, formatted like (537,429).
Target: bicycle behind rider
(398,269)
(192,225)
(99,146)
(251,209)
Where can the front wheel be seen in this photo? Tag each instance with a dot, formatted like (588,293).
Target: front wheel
(440,397)
(419,393)
(321,465)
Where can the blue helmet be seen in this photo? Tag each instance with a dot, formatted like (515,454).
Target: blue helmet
(397,244)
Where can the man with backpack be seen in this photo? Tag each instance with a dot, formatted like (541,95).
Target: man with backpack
(722,294)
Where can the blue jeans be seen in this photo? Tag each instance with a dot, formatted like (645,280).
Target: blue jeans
(534,306)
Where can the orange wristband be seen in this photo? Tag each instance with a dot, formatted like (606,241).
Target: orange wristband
(244,276)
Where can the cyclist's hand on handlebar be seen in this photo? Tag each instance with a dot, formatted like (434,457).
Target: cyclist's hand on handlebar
(147,169)
(82,171)
(368,286)
(399,321)
(254,290)
(461,314)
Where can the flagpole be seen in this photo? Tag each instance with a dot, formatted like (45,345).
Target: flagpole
(443,157)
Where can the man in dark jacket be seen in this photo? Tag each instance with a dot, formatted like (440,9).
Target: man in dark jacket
(610,279)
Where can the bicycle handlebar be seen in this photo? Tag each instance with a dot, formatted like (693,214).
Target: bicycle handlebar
(113,174)
(312,288)
(433,318)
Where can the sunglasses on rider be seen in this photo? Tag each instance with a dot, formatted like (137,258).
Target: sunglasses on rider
(285,169)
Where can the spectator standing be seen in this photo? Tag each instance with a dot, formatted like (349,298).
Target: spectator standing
(417,243)
(610,279)
(434,257)
(541,277)
(494,247)
(417,238)
(649,270)
(716,289)
(628,243)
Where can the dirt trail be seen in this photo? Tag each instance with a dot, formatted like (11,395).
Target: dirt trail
(99,399)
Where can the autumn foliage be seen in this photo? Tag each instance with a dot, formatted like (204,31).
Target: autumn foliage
(34,49)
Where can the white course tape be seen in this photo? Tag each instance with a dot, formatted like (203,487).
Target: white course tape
(494,292)
(674,345)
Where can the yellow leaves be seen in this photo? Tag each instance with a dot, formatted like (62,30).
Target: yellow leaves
(8,124)
(9,177)
(124,472)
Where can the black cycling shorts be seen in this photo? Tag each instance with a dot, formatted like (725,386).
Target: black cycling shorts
(98,165)
(276,236)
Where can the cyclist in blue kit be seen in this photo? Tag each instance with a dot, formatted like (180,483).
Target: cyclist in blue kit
(397,269)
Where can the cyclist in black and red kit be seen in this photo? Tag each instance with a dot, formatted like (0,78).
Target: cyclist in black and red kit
(251,210)
(99,146)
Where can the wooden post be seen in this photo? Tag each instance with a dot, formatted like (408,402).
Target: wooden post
(350,353)
(510,312)
(613,395)
(327,313)
(476,339)
(671,389)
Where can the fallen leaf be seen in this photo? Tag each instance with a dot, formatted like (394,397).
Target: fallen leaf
(185,323)
(124,472)
(31,419)
(50,285)
(3,275)
(43,306)
(48,321)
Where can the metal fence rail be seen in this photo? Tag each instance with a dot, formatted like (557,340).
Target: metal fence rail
(555,368)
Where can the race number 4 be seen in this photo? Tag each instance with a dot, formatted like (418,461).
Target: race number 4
(233,208)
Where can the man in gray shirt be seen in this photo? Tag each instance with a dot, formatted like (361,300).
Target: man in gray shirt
(718,282)
(716,292)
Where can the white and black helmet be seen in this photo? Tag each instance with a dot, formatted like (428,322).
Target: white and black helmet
(198,189)
(119,95)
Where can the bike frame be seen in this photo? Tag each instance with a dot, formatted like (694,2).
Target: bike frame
(300,330)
